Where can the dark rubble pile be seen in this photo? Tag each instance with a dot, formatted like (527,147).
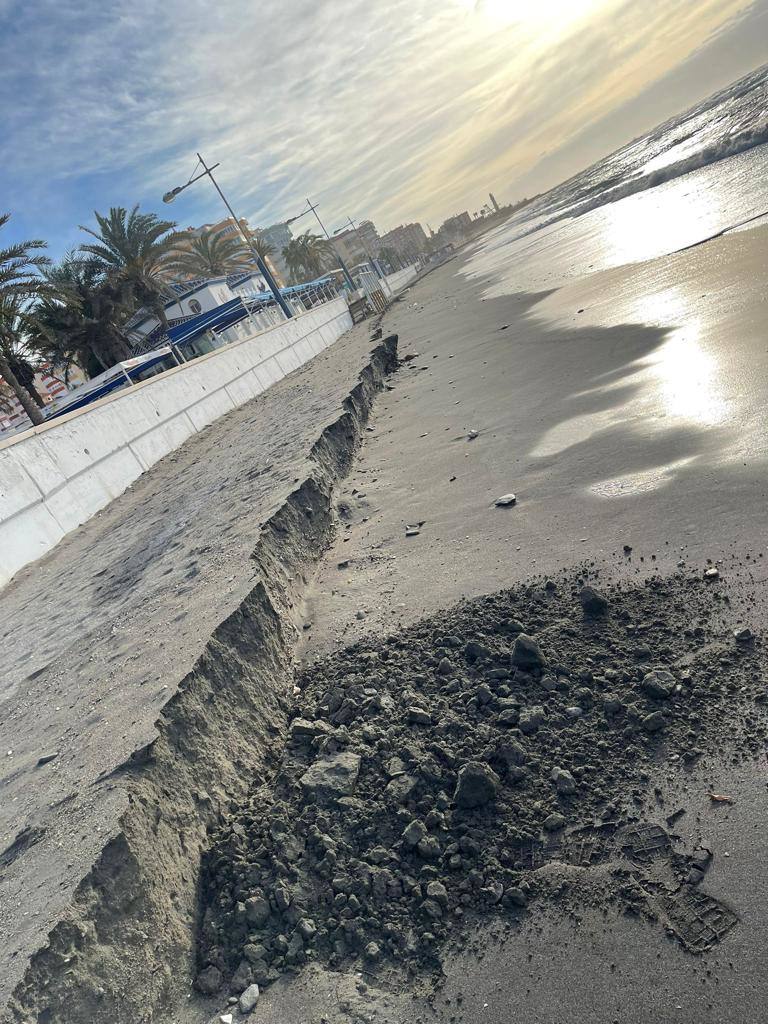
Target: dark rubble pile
(430,774)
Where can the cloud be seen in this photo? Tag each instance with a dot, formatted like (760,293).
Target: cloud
(411,109)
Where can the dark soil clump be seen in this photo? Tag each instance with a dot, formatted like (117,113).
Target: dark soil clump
(448,769)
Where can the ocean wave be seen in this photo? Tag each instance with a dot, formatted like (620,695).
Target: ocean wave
(711,154)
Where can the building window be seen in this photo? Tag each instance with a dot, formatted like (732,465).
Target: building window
(194,306)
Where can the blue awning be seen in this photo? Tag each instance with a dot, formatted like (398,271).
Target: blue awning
(215,319)
(105,383)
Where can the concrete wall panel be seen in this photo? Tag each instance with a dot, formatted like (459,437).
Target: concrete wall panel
(55,477)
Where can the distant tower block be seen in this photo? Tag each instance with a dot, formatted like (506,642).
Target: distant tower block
(493,202)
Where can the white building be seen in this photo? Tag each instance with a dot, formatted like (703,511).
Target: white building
(193,297)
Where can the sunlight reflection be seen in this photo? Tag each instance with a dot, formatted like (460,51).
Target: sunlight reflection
(677,383)
(631,229)
(688,379)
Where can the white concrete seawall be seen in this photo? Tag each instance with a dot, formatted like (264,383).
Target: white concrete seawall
(397,281)
(56,476)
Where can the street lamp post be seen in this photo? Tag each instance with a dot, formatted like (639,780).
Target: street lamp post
(263,268)
(342,264)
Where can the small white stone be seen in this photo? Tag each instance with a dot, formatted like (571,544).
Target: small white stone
(505,500)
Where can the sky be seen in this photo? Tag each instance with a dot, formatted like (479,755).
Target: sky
(395,110)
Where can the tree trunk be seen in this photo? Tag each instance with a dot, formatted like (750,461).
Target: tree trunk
(26,402)
(26,377)
(159,310)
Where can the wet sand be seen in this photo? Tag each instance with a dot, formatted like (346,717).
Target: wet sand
(573,412)
(638,421)
(625,409)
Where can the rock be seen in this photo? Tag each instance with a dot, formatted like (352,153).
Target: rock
(400,788)
(526,653)
(474,651)
(574,712)
(242,977)
(248,999)
(505,501)
(508,718)
(694,876)
(360,614)
(515,895)
(437,891)
(741,636)
(414,833)
(332,776)
(612,705)
(492,892)
(592,601)
(432,909)
(658,684)
(283,896)
(302,729)
(295,951)
(429,848)
(653,722)
(530,719)
(418,716)
(47,758)
(627,549)
(476,785)
(554,822)
(563,781)
(711,573)
(372,951)
(257,911)
(226,1018)
(254,952)
(209,980)
(445,667)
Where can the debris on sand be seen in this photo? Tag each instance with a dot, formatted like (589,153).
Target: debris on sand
(592,601)
(438,771)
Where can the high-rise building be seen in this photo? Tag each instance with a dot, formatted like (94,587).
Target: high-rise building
(457,227)
(408,240)
(358,245)
(278,236)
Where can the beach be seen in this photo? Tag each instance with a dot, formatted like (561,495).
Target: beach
(623,411)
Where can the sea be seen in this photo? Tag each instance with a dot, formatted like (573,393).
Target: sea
(698,175)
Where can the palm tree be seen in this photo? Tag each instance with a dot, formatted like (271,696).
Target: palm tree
(20,281)
(307,256)
(79,322)
(17,324)
(132,248)
(211,254)
(264,248)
